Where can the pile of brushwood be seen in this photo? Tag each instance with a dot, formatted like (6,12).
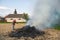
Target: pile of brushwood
(26,32)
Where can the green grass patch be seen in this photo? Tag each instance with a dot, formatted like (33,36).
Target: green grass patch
(57,27)
(3,22)
(11,22)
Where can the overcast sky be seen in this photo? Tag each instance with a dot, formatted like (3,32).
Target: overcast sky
(8,6)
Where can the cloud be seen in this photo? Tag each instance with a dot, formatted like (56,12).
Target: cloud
(4,8)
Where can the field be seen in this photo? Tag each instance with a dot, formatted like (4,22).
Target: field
(6,27)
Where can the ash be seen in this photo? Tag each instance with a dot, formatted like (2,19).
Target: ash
(26,31)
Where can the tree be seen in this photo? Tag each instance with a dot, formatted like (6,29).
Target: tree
(15,12)
(26,16)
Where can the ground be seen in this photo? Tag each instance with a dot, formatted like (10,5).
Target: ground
(5,28)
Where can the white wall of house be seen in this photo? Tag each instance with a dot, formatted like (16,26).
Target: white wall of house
(17,19)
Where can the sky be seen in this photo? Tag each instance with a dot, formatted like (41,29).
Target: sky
(8,6)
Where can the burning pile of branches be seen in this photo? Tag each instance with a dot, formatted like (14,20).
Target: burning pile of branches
(26,32)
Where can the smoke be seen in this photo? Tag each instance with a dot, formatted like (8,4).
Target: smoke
(46,14)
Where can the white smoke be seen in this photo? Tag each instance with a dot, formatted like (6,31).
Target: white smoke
(46,14)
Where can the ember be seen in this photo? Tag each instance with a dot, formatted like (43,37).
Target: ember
(26,32)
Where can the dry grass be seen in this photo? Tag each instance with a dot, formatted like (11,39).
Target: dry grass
(6,27)
(50,34)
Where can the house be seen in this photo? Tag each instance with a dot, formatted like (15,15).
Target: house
(0,18)
(15,16)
